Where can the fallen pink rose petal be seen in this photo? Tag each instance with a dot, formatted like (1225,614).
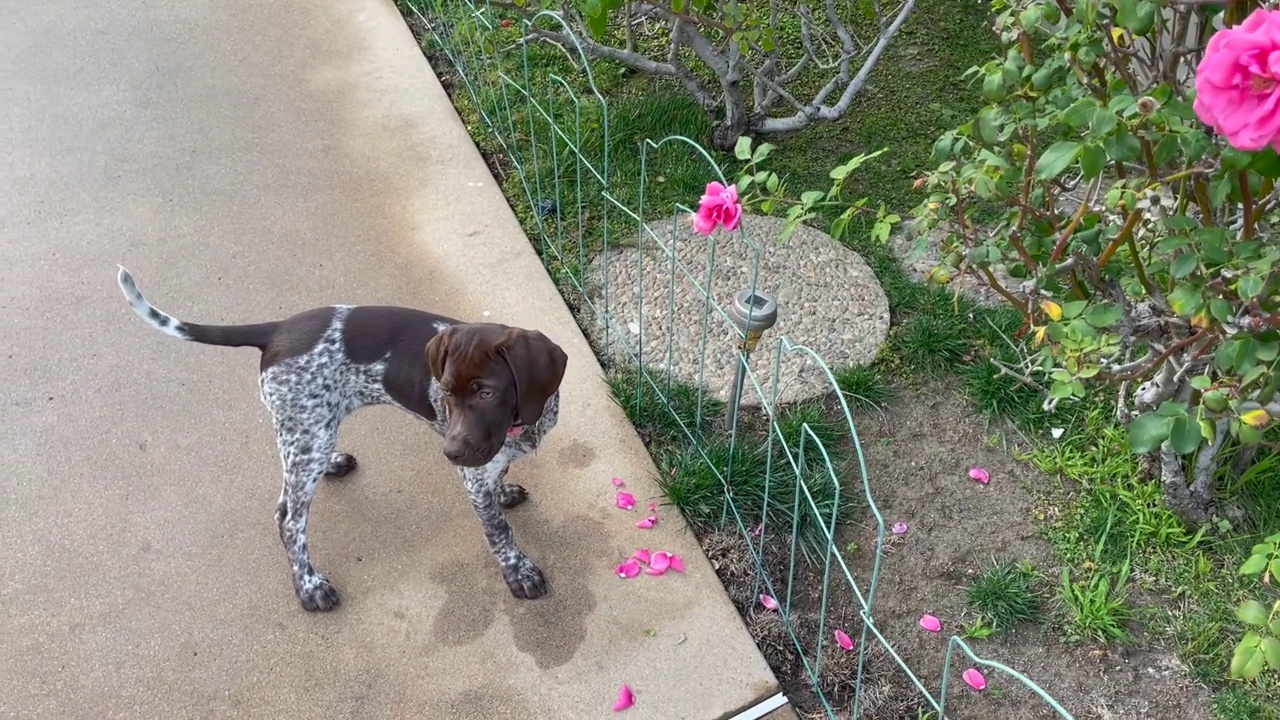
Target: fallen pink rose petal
(625,500)
(625,699)
(843,640)
(979,475)
(628,569)
(648,522)
(974,679)
(676,563)
(930,623)
(899,528)
(659,563)
(759,529)
(641,555)
(653,508)
(619,482)
(768,602)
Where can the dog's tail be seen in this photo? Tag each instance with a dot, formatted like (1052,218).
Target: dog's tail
(226,335)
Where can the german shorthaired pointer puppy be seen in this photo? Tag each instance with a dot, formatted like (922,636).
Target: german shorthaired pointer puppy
(491,391)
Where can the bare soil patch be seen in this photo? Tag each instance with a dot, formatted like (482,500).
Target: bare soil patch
(918,453)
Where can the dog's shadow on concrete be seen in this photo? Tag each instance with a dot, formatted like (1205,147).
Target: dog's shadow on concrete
(549,629)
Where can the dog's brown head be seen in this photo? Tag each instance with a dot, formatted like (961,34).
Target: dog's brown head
(495,378)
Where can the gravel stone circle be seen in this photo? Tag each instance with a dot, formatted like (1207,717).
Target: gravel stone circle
(829,301)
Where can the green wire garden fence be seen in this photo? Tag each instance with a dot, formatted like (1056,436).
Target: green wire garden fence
(593,189)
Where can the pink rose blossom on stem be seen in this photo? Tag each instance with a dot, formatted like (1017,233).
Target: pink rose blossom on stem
(1238,82)
(719,206)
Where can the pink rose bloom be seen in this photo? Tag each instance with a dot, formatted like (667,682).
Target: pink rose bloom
(719,206)
(1238,82)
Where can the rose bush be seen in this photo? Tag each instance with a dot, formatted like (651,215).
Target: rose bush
(1123,174)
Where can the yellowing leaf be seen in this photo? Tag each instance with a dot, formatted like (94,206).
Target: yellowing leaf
(1201,319)
(1052,309)
(1256,418)
(1120,35)
(1040,335)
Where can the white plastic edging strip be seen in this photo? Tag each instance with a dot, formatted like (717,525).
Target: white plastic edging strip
(761,709)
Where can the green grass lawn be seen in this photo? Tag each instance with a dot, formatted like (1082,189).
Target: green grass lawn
(1107,524)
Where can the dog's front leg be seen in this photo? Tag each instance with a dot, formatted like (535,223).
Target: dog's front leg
(485,488)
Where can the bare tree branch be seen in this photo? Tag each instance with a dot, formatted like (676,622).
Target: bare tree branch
(834,112)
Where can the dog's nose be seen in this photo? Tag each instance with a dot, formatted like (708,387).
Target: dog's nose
(456,453)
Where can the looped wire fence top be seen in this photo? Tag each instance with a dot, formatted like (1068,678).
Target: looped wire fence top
(618,246)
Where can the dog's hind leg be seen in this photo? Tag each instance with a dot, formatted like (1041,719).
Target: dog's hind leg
(306,454)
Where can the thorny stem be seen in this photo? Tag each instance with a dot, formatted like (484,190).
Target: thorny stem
(1159,359)
(1246,231)
(1065,236)
(995,285)
(1142,271)
(1125,234)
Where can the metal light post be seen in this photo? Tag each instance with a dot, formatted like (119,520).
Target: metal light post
(753,312)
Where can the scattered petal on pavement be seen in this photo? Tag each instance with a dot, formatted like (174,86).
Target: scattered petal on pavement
(619,482)
(628,569)
(641,555)
(647,523)
(625,500)
(930,623)
(975,679)
(676,563)
(625,699)
(659,563)
(899,528)
(843,639)
(979,475)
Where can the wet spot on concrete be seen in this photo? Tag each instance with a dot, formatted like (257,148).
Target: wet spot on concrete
(576,454)
(550,629)
(494,700)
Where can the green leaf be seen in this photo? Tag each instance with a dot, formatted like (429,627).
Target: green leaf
(1271,650)
(742,150)
(1247,661)
(1274,568)
(1079,113)
(1093,160)
(1148,431)
(1184,436)
(1252,612)
(1235,160)
(761,152)
(1072,309)
(1266,163)
(1201,382)
(1103,122)
(1184,264)
(1250,287)
(1254,565)
(809,197)
(1219,188)
(1220,309)
(1104,314)
(1123,146)
(1056,159)
(1185,299)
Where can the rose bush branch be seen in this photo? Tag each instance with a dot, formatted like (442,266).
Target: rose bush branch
(736,60)
(1125,178)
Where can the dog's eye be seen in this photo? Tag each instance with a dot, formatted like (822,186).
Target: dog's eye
(486,394)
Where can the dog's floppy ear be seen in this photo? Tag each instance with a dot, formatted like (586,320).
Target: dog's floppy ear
(538,366)
(438,352)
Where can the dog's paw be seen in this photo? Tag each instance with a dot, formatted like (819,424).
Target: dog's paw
(340,464)
(512,495)
(317,594)
(525,580)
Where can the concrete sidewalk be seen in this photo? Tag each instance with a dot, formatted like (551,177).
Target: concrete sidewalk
(248,160)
